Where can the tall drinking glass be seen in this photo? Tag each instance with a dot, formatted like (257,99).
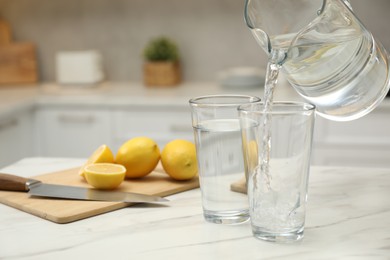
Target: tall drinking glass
(220,160)
(278,167)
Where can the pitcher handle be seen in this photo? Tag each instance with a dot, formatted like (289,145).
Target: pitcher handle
(347,3)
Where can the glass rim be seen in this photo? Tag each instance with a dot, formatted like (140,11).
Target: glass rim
(197,101)
(297,107)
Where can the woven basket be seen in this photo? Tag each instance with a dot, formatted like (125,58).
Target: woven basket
(162,74)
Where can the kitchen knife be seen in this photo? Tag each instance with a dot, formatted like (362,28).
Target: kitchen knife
(37,188)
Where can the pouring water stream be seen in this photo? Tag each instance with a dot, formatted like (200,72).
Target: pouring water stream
(326,54)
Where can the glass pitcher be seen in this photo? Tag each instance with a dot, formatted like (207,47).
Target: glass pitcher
(329,57)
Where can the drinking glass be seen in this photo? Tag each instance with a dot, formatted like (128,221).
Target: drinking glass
(220,160)
(278,168)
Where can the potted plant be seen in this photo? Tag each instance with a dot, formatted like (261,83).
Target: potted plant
(162,66)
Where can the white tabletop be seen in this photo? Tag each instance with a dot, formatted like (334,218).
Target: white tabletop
(348,217)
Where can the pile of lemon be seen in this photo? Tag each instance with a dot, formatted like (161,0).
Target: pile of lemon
(137,158)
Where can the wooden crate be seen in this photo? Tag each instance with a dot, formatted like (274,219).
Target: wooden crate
(162,74)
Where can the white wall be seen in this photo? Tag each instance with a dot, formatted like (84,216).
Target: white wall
(211,34)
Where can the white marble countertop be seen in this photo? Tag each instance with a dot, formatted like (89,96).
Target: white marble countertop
(348,217)
(114,94)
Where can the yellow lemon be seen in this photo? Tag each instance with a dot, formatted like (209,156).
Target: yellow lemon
(178,159)
(140,156)
(252,155)
(105,176)
(103,154)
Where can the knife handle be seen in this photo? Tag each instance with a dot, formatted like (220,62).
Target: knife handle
(13,182)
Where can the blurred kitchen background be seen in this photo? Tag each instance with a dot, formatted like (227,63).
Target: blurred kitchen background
(46,118)
(211,35)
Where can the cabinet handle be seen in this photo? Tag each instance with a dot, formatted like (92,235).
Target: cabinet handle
(8,124)
(180,128)
(76,118)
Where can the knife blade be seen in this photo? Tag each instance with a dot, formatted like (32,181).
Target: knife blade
(37,188)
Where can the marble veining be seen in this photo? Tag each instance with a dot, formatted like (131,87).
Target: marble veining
(348,217)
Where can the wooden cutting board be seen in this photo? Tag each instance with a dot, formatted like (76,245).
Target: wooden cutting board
(239,186)
(5,33)
(65,211)
(18,63)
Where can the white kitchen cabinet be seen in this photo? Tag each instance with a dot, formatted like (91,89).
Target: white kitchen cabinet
(16,137)
(71,131)
(162,123)
(362,142)
(74,125)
